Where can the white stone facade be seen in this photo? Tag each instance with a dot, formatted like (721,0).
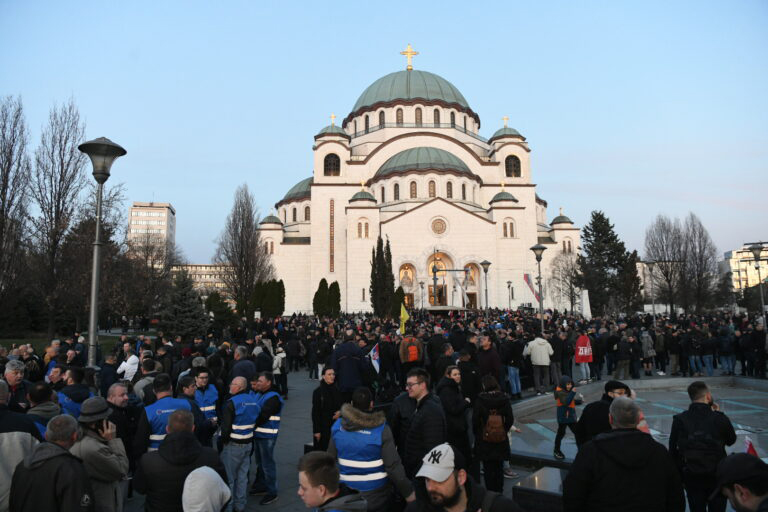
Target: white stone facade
(323,233)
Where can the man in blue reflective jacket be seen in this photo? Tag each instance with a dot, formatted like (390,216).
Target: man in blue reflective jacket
(154,418)
(265,437)
(72,396)
(238,421)
(364,447)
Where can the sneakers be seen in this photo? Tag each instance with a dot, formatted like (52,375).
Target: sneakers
(268,499)
(538,394)
(508,473)
(559,455)
(257,492)
(660,373)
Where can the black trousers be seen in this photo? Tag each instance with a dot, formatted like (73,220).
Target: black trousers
(494,477)
(561,433)
(698,490)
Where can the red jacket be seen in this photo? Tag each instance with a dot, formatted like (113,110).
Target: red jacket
(583,350)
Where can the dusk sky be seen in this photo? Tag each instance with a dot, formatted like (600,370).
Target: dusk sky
(633,108)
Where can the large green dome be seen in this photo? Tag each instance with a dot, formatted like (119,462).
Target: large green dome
(301,190)
(410,85)
(423,158)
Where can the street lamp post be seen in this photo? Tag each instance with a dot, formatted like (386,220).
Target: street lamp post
(509,294)
(485,264)
(650,265)
(756,250)
(434,283)
(538,250)
(421,285)
(103,153)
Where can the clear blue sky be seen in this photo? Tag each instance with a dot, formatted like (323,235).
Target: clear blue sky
(635,108)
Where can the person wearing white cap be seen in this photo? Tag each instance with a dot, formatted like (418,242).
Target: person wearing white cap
(450,488)
(204,491)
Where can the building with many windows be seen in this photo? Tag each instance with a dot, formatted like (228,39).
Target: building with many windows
(741,265)
(408,163)
(152,223)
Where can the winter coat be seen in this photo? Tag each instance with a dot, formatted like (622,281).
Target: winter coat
(160,475)
(107,376)
(593,420)
(326,400)
(566,408)
(348,500)
(475,500)
(18,437)
(107,464)
(277,363)
(540,351)
(42,413)
(129,367)
(700,414)
(243,368)
(486,402)
(625,470)
(583,350)
(470,380)
(489,362)
(353,419)
(348,362)
(647,345)
(454,407)
(427,431)
(51,478)
(399,418)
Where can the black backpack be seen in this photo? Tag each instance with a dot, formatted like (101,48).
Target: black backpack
(700,449)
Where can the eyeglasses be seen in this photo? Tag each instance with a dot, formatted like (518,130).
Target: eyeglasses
(409,385)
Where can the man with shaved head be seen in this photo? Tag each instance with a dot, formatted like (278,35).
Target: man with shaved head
(238,422)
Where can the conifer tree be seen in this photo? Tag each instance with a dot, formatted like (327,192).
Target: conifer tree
(334,299)
(320,300)
(280,291)
(629,286)
(373,291)
(183,314)
(603,258)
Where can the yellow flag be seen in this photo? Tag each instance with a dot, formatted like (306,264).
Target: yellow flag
(403,318)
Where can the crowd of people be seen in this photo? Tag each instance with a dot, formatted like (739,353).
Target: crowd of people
(417,419)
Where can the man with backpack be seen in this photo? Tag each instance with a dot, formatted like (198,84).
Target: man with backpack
(697,443)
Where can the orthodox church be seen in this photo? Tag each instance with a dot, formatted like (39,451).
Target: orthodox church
(408,164)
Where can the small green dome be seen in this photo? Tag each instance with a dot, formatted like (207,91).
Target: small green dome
(561,219)
(271,219)
(423,158)
(503,196)
(301,190)
(332,129)
(410,85)
(363,195)
(505,131)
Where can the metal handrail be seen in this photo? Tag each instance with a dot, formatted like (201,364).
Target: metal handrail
(417,125)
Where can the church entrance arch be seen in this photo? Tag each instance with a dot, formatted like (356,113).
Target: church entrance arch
(439,279)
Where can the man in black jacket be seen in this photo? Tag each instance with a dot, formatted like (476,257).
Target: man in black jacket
(160,474)
(594,418)
(326,408)
(624,469)
(697,442)
(67,486)
(428,427)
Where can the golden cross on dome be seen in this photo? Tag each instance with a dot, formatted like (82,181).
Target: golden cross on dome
(505,119)
(333,119)
(561,210)
(409,53)
(502,186)
(362,184)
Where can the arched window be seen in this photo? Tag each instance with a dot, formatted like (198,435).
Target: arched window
(437,117)
(453,120)
(569,246)
(431,189)
(418,117)
(413,190)
(359,230)
(505,230)
(266,247)
(293,215)
(332,165)
(509,228)
(367,125)
(463,192)
(465,124)
(306,213)
(381,119)
(397,192)
(355,125)
(366,230)
(399,117)
(271,247)
(285,216)
(383,196)
(449,190)
(512,166)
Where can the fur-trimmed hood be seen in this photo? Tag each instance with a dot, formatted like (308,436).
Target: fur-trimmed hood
(355,419)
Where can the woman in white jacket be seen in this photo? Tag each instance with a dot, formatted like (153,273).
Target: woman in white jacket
(129,367)
(280,371)
(540,351)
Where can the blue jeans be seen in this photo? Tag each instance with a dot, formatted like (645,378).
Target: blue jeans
(708,364)
(694,364)
(237,459)
(513,374)
(728,362)
(266,473)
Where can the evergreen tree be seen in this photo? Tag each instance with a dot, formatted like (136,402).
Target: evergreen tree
(373,291)
(629,286)
(280,289)
(320,300)
(388,281)
(183,314)
(603,258)
(223,316)
(398,299)
(334,299)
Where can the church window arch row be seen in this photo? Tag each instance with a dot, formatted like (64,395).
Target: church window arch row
(269,246)
(396,192)
(449,190)
(508,228)
(414,190)
(567,246)
(307,211)
(293,214)
(453,119)
(512,167)
(418,116)
(332,165)
(463,191)
(399,117)
(436,116)
(363,228)
(367,122)
(382,119)
(432,189)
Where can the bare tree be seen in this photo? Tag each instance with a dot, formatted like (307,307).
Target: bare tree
(153,260)
(665,244)
(565,278)
(15,168)
(55,189)
(241,251)
(700,265)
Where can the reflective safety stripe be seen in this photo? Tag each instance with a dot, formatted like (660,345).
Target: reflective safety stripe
(363,478)
(243,426)
(213,418)
(267,430)
(151,449)
(360,463)
(241,436)
(208,408)
(274,418)
(156,437)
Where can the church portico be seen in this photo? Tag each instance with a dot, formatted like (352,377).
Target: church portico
(408,164)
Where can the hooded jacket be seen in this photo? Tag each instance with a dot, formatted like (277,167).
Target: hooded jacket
(488,401)
(454,406)
(625,470)
(540,351)
(67,487)
(204,491)
(18,437)
(106,464)
(427,430)
(348,500)
(566,408)
(72,397)
(353,419)
(161,474)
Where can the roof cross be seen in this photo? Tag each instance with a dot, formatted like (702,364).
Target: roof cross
(409,53)
(505,119)
(333,119)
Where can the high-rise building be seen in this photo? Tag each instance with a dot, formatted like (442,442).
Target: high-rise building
(152,223)
(741,264)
